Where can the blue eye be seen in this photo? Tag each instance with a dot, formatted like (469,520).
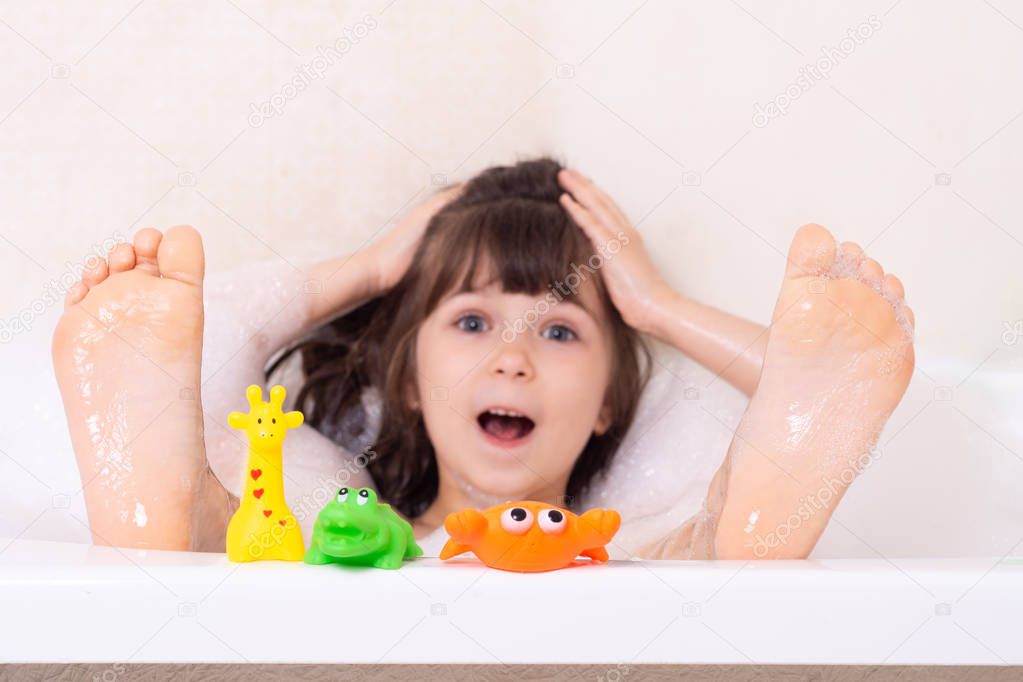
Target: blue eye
(471,323)
(559,332)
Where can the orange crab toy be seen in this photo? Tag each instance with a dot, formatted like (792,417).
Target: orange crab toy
(530,536)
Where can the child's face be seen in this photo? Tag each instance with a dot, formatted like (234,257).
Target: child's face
(554,373)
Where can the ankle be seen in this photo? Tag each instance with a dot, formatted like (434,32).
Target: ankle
(212,509)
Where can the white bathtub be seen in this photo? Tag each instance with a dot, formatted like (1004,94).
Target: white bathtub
(64,602)
(948,485)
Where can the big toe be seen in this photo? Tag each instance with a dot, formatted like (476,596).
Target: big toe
(180,255)
(812,252)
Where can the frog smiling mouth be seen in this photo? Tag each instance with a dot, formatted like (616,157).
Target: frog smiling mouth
(349,540)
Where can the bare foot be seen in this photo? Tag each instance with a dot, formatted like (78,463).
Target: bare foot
(838,360)
(841,338)
(127,355)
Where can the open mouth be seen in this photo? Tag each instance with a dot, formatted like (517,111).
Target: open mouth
(505,426)
(341,540)
(347,532)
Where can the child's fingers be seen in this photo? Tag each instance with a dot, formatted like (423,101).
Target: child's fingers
(597,232)
(618,213)
(588,195)
(606,201)
(614,216)
(583,191)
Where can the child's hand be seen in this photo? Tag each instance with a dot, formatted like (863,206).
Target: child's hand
(636,288)
(393,253)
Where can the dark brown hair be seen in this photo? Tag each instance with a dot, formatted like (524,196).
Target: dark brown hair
(506,222)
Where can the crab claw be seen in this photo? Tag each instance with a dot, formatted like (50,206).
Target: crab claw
(603,522)
(465,526)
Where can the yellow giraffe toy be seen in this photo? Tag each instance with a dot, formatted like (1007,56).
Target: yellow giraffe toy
(264,528)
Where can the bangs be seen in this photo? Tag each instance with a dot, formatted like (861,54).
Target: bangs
(524,246)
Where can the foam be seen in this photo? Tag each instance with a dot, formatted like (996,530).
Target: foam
(251,313)
(846,266)
(107,427)
(658,480)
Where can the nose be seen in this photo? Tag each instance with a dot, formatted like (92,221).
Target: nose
(513,363)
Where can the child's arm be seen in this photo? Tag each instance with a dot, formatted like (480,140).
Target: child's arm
(269,305)
(729,346)
(347,281)
(748,490)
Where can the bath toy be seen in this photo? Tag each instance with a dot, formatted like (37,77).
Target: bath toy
(530,536)
(263,528)
(355,529)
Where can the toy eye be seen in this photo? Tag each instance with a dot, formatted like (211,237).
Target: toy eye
(274,420)
(363,497)
(342,494)
(259,420)
(552,522)
(516,520)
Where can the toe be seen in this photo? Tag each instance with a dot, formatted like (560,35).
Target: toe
(893,285)
(146,244)
(812,252)
(121,258)
(75,294)
(180,256)
(910,317)
(871,272)
(851,250)
(95,271)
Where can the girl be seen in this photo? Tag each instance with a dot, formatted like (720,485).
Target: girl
(490,348)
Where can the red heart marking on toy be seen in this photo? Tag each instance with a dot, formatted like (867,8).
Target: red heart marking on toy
(258,493)
(256,473)
(282,522)
(267,512)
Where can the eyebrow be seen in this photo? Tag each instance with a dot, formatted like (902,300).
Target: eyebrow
(572,299)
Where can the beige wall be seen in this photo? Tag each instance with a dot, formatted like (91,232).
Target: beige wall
(117,116)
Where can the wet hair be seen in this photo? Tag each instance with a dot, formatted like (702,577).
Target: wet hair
(506,223)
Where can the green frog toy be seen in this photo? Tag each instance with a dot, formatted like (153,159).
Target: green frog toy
(356,530)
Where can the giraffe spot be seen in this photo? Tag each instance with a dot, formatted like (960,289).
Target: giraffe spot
(256,473)
(267,512)
(258,493)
